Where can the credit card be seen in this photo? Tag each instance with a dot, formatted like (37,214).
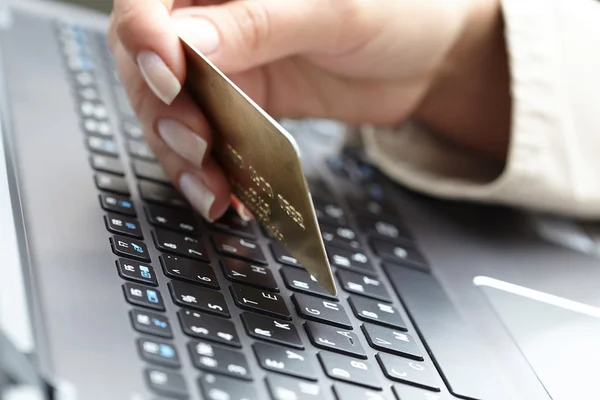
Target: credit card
(261,161)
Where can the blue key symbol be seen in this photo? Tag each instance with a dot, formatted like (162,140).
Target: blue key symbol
(159,323)
(137,248)
(145,272)
(152,296)
(126,204)
(167,351)
(130,225)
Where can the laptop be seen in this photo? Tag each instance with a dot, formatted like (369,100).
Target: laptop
(111,287)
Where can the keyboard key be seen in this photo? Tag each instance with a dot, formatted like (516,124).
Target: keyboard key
(282,255)
(188,270)
(216,387)
(102,146)
(198,298)
(405,392)
(123,225)
(150,171)
(220,360)
(204,326)
(161,194)
(301,281)
(349,259)
(364,285)
(272,330)
(111,183)
(399,253)
(140,150)
(186,246)
(238,247)
(285,388)
(260,301)
(376,312)
(143,296)
(329,212)
(339,236)
(107,164)
(335,339)
(117,204)
(89,109)
(151,323)
(126,247)
(92,126)
(391,341)
(233,223)
(158,352)
(411,372)
(279,359)
(167,383)
(249,274)
(344,391)
(349,370)
(383,226)
(175,220)
(137,272)
(321,310)
(374,208)
(132,130)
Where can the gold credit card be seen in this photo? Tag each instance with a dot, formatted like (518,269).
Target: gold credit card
(262,163)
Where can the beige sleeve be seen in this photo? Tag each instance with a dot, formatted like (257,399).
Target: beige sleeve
(553,163)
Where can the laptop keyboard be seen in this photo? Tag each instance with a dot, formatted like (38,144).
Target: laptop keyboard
(274,300)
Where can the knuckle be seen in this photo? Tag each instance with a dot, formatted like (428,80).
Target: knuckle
(254,24)
(127,22)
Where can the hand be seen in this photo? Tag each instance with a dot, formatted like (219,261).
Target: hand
(356,61)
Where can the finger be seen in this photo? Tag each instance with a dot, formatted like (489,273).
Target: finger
(144,29)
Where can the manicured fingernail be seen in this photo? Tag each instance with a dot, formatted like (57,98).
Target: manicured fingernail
(197,194)
(241,209)
(200,32)
(182,140)
(158,76)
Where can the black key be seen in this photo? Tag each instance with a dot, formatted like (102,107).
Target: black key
(374,208)
(411,372)
(344,392)
(272,330)
(285,388)
(140,150)
(279,359)
(102,146)
(383,226)
(126,247)
(233,223)
(151,323)
(321,310)
(282,255)
(167,383)
(158,352)
(132,129)
(216,387)
(391,341)
(350,259)
(137,272)
(107,164)
(405,392)
(191,296)
(111,183)
(188,270)
(92,126)
(364,285)
(161,194)
(464,365)
(329,212)
(400,253)
(260,301)
(204,326)
(339,236)
(186,246)
(117,204)
(176,220)
(238,247)
(93,109)
(349,370)
(212,358)
(150,171)
(144,296)
(335,339)
(123,225)
(301,281)
(249,274)
(377,312)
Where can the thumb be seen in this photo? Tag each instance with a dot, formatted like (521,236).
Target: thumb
(239,35)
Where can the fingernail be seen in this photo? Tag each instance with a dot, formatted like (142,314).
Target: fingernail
(197,194)
(200,32)
(158,76)
(182,140)
(241,209)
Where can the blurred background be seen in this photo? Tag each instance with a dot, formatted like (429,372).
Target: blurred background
(102,5)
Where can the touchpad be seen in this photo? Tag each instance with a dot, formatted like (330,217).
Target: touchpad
(559,338)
